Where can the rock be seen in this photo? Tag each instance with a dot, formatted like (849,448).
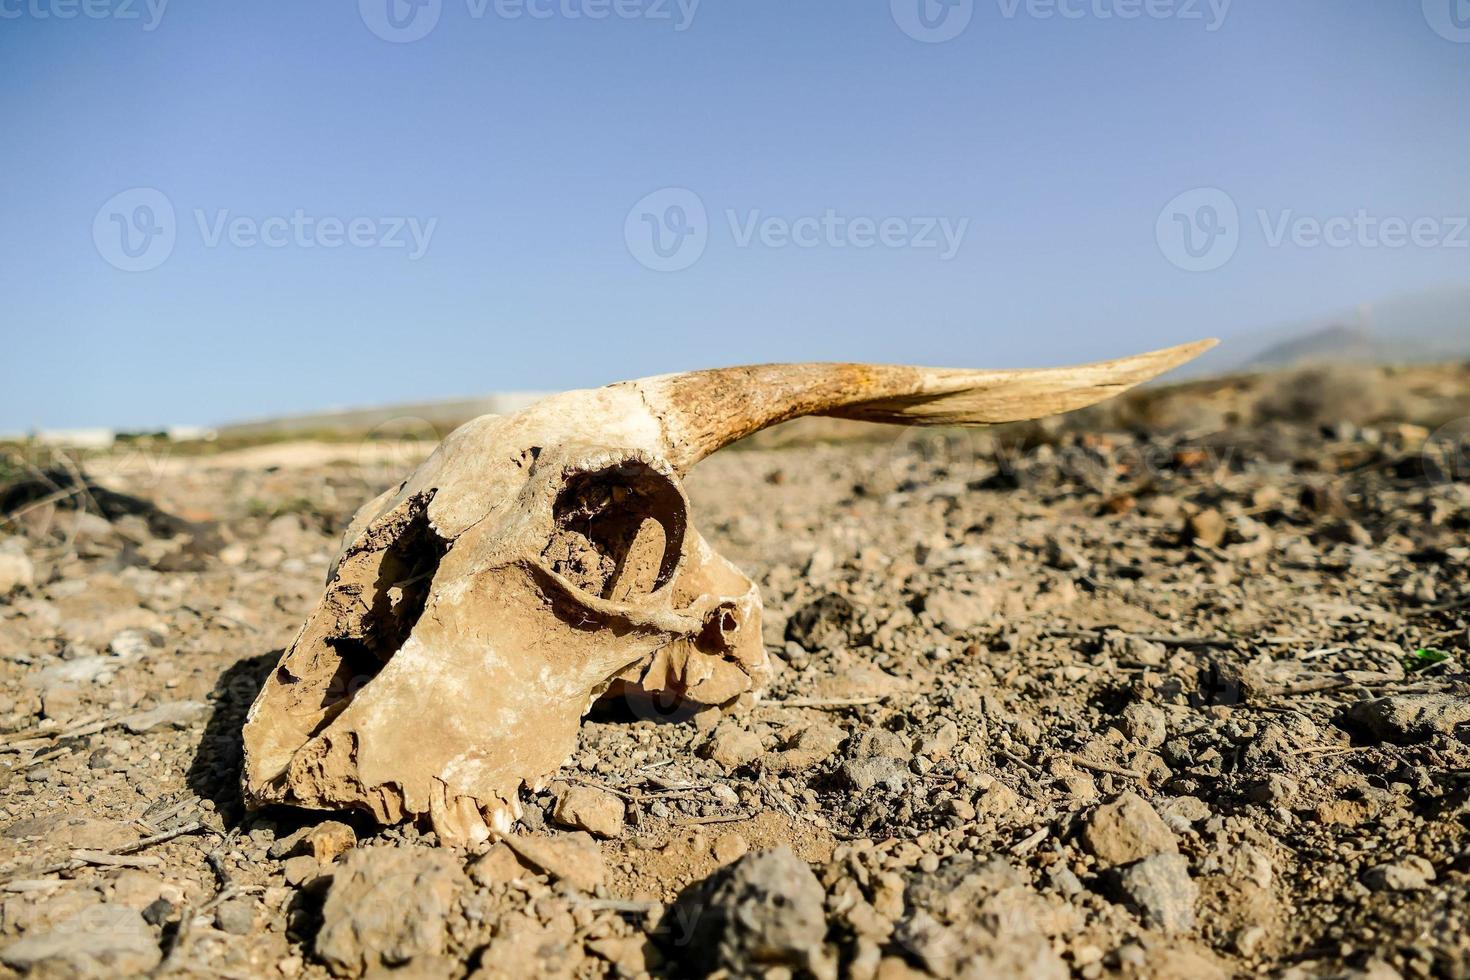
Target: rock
(237,916)
(876,757)
(387,907)
(288,846)
(766,908)
(65,830)
(1060,554)
(535,942)
(878,743)
(1246,864)
(1144,724)
(330,838)
(941,742)
(810,746)
(628,954)
(233,555)
(139,890)
(861,681)
(959,612)
(1138,650)
(865,774)
(1160,887)
(967,918)
(573,858)
(1410,874)
(37,913)
(285,531)
(1274,790)
(323,841)
(62,704)
(732,747)
(157,912)
(729,847)
(1131,955)
(1346,532)
(1408,718)
(1065,882)
(724,795)
(959,808)
(998,798)
(99,941)
(132,644)
(828,623)
(1248,940)
(498,866)
(1126,830)
(1205,528)
(820,564)
(300,869)
(1183,811)
(173,714)
(85,669)
(16,570)
(593,810)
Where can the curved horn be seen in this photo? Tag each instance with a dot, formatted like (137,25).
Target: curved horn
(702,411)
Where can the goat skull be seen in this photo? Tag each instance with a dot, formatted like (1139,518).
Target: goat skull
(478,610)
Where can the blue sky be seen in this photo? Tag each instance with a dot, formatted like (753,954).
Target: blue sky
(317,216)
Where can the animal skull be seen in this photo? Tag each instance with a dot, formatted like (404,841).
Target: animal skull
(478,610)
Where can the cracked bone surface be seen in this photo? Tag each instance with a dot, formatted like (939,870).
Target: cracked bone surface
(537,560)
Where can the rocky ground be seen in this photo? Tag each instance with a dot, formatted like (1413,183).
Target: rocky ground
(1162,692)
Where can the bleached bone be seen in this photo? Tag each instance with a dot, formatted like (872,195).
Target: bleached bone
(478,610)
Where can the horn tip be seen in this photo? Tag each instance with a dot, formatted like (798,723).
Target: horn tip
(1168,358)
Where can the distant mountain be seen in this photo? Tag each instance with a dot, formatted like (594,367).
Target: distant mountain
(415,418)
(1335,344)
(1429,326)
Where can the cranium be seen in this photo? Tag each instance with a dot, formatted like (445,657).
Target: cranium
(476,611)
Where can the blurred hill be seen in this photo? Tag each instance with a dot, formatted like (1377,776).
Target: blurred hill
(1423,327)
(412,419)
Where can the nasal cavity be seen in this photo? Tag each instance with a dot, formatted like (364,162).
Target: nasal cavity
(617,530)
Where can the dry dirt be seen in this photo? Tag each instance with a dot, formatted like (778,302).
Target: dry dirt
(1175,689)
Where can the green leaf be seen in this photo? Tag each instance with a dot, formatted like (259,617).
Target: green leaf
(1425,657)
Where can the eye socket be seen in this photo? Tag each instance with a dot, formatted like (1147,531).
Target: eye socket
(618,530)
